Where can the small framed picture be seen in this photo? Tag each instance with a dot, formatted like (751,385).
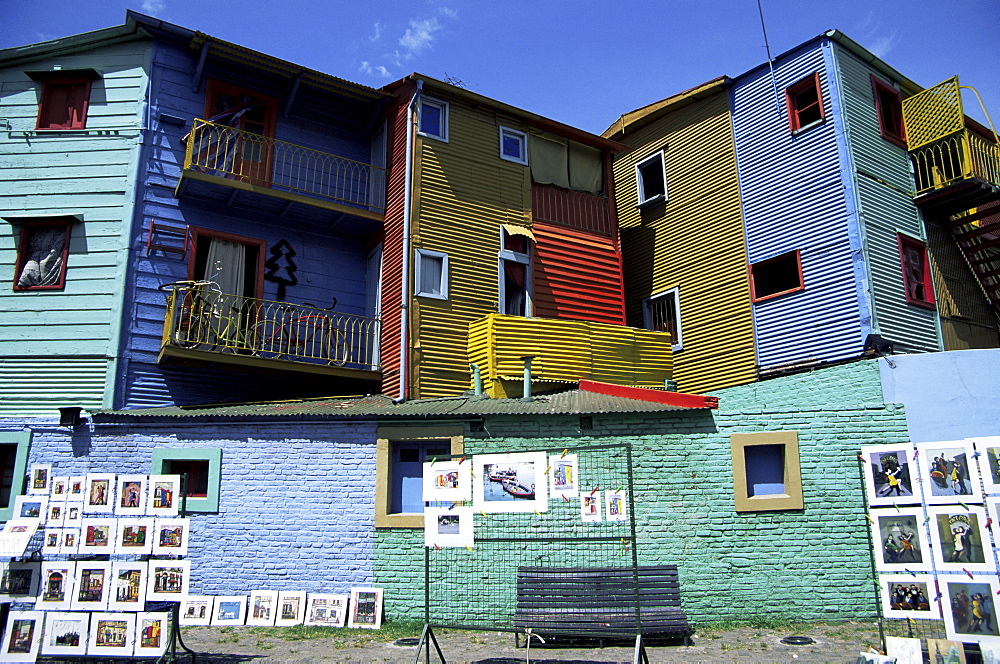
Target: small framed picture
(31,507)
(40,479)
(168,580)
(77,489)
(263,607)
(291,608)
(22,636)
(447,481)
(99,496)
(366,608)
(97,536)
(590,506)
(128,586)
(70,541)
(229,610)
(66,633)
(73,515)
(949,473)
(444,527)
(55,514)
(615,506)
(170,537)
(960,540)
(134,536)
(909,596)
(132,491)
(890,474)
(151,632)
(943,650)
(326,610)
(19,582)
(900,541)
(93,580)
(55,585)
(15,536)
(60,489)
(988,459)
(52,541)
(563,475)
(111,634)
(164,494)
(196,610)
(510,482)
(970,610)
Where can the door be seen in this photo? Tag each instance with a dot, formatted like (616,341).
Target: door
(244,132)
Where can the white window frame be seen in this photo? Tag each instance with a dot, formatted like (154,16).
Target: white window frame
(640,180)
(515,257)
(647,314)
(441,106)
(522,138)
(443,286)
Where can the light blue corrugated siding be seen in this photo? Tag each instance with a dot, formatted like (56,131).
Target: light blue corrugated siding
(793,198)
(38,386)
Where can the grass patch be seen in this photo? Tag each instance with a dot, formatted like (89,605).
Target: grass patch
(391,630)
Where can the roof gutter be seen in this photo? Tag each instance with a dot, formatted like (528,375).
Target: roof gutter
(908,86)
(404,310)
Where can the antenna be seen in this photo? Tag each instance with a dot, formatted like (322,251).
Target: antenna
(770,61)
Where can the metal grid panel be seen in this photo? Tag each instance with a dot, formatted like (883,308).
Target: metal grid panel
(933,114)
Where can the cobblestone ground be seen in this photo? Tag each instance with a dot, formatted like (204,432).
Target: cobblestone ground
(834,644)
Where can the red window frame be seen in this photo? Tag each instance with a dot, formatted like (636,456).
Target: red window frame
(197,471)
(889,108)
(23,245)
(756,266)
(918,284)
(64,103)
(797,107)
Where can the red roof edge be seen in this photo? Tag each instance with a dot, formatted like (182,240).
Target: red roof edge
(678,399)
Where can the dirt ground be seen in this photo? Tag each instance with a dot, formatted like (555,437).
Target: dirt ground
(833,643)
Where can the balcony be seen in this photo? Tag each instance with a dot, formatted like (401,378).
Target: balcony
(574,209)
(206,326)
(565,352)
(269,175)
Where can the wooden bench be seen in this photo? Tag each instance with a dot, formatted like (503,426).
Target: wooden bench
(600,602)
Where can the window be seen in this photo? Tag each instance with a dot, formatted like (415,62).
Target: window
(916,271)
(204,469)
(235,262)
(766,473)
(805,103)
(41,254)
(432,119)
(515,271)
(432,274)
(662,313)
(247,153)
(776,276)
(514,145)
(13,465)
(889,107)
(651,179)
(399,456)
(64,99)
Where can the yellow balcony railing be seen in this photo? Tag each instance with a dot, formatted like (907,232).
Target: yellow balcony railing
(961,156)
(230,153)
(201,318)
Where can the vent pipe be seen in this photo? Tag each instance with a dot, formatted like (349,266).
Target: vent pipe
(526,395)
(477,379)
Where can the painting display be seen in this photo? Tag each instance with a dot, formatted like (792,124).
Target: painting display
(900,541)
(168,580)
(909,596)
(229,610)
(51,541)
(970,611)
(960,540)
(98,496)
(151,633)
(15,535)
(888,474)
(988,449)
(127,591)
(326,610)
(39,478)
(111,634)
(904,650)
(70,541)
(196,610)
(948,472)
(134,536)
(65,633)
(31,507)
(73,515)
(291,608)
(263,607)
(366,607)
(943,650)
(19,582)
(55,585)
(77,489)
(164,495)
(563,475)
(97,536)
(510,482)
(590,506)
(447,527)
(93,581)
(59,489)
(22,636)
(447,481)
(132,491)
(170,537)
(615,506)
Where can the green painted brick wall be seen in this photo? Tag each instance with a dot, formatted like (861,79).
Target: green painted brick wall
(803,564)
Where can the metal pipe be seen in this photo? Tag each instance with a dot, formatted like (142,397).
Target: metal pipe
(405,286)
(477,379)
(526,395)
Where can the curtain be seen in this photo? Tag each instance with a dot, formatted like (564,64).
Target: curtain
(43,266)
(586,171)
(548,161)
(226,266)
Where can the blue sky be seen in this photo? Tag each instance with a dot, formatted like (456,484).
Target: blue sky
(583,63)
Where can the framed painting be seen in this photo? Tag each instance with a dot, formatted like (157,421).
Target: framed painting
(39,479)
(93,581)
(291,608)
(73,515)
(196,610)
(128,586)
(970,609)
(54,515)
(55,585)
(15,535)
(900,540)
(366,608)
(444,527)
(19,582)
(70,541)
(326,610)
(111,634)
(943,650)
(97,536)
(99,493)
(168,580)
(164,495)
(263,607)
(615,506)
(904,650)
(134,536)
(22,637)
(132,490)
(151,632)
(66,633)
(949,473)
(960,540)
(889,474)
(77,489)
(988,458)
(229,610)
(909,596)
(564,478)
(510,482)
(31,507)
(52,541)
(170,537)
(447,481)
(590,506)
(60,489)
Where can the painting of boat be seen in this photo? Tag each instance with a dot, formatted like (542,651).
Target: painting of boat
(503,475)
(518,490)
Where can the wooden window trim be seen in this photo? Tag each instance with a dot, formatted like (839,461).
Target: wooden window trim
(769,296)
(81,86)
(28,227)
(443,107)
(385,438)
(792,498)
(880,86)
(197,233)
(793,113)
(903,243)
(23,441)
(213,455)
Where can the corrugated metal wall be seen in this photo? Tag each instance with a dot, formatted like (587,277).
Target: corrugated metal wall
(694,242)
(793,199)
(37,387)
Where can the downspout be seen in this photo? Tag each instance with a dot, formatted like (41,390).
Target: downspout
(404,312)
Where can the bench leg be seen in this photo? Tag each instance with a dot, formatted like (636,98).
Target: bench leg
(639,655)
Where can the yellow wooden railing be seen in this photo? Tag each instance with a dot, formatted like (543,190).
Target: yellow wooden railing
(267,162)
(200,318)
